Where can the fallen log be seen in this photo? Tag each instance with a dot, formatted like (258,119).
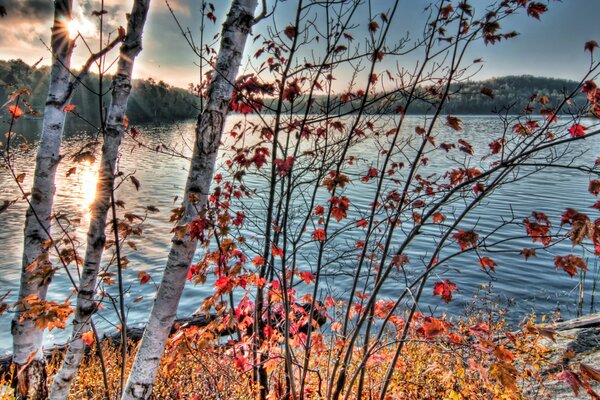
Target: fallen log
(587,321)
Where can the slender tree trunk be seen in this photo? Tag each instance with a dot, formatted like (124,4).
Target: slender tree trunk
(36,273)
(209,129)
(96,238)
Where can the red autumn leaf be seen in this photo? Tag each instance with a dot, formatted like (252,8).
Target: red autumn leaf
(479,329)
(15,111)
(590,46)
(594,187)
(488,92)
(496,146)
(454,123)
(478,188)
(362,223)
(88,338)
(291,91)
(69,108)
(539,228)
(319,235)
(372,173)
(466,239)
(224,284)
(527,253)
(373,26)
(307,277)
(572,379)
(276,251)
(535,9)
(319,210)
(487,262)
(339,207)
(192,271)
(447,146)
(290,31)
(432,327)
(283,167)
(569,264)
(444,289)
(577,130)
(240,362)
(446,11)
(258,261)
(143,277)
(465,147)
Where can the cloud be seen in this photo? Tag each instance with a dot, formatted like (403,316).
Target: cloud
(28,9)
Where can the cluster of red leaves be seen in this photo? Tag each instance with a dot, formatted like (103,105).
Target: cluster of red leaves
(538,228)
(466,239)
(335,179)
(339,207)
(592,92)
(198,227)
(246,96)
(460,175)
(570,264)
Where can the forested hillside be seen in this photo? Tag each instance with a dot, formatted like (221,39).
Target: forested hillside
(510,94)
(149,101)
(158,101)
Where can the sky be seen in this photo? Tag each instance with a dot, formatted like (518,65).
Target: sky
(551,47)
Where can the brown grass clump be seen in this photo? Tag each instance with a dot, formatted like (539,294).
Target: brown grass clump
(465,360)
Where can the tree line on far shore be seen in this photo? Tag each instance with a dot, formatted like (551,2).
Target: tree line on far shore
(158,101)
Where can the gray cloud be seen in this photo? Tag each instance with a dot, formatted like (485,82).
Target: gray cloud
(29,9)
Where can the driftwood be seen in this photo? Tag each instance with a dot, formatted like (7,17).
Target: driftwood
(587,321)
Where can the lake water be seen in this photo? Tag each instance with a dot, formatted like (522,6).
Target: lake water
(523,286)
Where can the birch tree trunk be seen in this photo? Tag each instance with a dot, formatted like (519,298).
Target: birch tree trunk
(209,129)
(96,238)
(35,272)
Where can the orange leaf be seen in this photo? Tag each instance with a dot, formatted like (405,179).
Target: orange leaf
(15,111)
(444,289)
(487,262)
(503,354)
(88,338)
(432,327)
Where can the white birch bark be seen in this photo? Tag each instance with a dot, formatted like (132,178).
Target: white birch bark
(96,237)
(27,338)
(209,129)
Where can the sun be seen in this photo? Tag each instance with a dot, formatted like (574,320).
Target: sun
(80,25)
(73,28)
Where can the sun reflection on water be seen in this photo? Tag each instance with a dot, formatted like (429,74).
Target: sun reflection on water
(88,178)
